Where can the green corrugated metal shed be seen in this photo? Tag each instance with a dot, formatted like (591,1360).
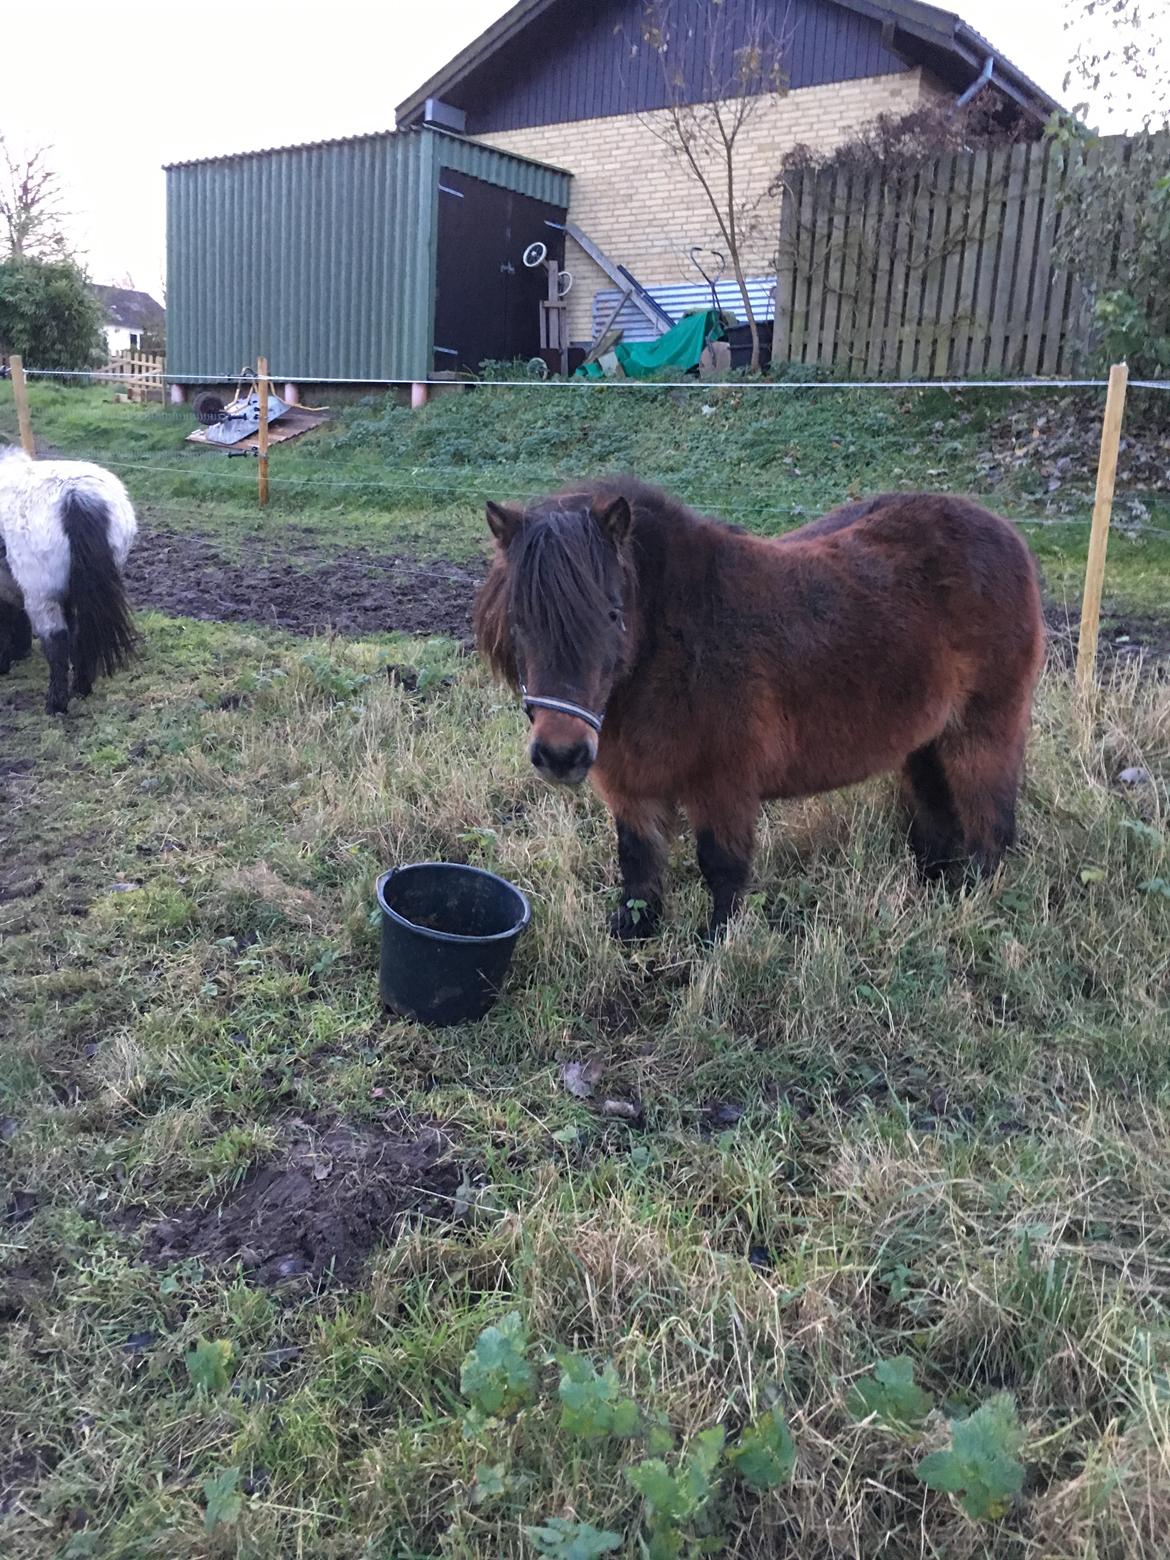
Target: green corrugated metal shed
(320,257)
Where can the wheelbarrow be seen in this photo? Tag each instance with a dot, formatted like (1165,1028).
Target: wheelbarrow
(229,423)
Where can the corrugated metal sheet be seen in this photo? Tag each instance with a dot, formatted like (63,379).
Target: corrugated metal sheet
(678,300)
(526,177)
(320,257)
(589,61)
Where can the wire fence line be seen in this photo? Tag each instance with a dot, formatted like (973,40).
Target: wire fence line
(591,385)
(453,482)
(427,484)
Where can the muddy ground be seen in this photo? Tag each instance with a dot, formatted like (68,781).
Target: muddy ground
(311,591)
(320,1205)
(361,592)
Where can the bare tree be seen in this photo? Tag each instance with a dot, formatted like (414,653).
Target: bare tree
(1122,59)
(722,63)
(30,206)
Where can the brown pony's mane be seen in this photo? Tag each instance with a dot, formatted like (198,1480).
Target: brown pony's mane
(493,637)
(551,578)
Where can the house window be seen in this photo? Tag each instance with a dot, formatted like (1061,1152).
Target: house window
(135,340)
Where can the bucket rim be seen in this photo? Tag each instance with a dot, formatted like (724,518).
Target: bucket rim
(453,937)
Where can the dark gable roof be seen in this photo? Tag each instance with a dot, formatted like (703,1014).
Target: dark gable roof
(921,34)
(131,310)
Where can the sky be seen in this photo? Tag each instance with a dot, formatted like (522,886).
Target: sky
(120,87)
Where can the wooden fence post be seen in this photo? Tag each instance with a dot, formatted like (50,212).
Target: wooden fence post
(262,435)
(20,396)
(1099,537)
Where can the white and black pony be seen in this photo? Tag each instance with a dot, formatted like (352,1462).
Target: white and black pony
(66,528)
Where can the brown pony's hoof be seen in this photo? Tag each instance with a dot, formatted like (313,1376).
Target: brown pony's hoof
(633,923)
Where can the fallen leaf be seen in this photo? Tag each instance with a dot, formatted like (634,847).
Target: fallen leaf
(579,1078)
(626,1109)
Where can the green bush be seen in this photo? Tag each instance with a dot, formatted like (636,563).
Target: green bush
(48,314)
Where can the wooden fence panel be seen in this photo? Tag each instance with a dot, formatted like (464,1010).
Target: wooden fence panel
(987,194)
(885,196)
(140,373)
(942,270)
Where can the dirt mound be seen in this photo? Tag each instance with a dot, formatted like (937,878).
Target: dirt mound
(321,1206)
(309,592)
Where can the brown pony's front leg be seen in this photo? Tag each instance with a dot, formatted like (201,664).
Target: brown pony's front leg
(642,841)
(725,837)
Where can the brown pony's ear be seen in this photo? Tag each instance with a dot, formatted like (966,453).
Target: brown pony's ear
(503,522)
(614,519)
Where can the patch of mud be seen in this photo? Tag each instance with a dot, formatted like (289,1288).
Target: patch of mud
(321,1206)
(310,591)
(20,1471)
(1122,636)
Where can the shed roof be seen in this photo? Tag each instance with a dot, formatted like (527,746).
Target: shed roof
(351,140)
(920,32)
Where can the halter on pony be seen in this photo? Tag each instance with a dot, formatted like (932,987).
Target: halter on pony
(530,702)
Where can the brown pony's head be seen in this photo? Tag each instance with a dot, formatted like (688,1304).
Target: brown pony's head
(552,619)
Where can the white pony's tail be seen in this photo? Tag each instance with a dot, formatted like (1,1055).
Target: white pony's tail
(103,631)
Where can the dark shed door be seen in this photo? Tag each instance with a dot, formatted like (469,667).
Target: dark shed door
(487,302)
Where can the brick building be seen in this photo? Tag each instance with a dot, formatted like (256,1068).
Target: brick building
(389,257)
(574,84)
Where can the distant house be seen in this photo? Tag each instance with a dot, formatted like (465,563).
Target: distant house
(130,318)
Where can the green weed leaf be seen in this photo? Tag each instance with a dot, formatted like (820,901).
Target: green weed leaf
(676,1497)
(223,1504)
(659,1488)
(981,1466)
(890,1395)
(496,1376)
(564,1540)
(594,1405)
(1156,885)
(490,1482)
(207,1365)
(1143,831)
(765,1454)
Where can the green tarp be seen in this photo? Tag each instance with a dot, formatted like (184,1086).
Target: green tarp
(681,348)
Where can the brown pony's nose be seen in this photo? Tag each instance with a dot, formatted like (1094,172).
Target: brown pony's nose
(567,763)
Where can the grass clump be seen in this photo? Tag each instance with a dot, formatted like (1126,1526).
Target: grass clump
(893,1159)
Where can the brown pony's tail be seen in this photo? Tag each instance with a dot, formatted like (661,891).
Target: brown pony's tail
(493,638)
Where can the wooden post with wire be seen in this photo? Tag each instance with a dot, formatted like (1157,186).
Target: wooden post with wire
(20,396)
(262,434)
(1099,536)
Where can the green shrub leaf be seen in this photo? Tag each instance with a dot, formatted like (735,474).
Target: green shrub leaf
(765,1454)
(890,1395)
(592,1404)
(980,1466)
(207,1365)
(222,1502)
(496,1376)
(564,1540)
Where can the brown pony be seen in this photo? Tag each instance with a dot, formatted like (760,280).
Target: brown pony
(681,662)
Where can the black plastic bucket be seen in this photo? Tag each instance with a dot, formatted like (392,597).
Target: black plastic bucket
(448,935)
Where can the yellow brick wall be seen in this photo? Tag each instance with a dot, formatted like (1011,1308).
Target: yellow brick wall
(645,210)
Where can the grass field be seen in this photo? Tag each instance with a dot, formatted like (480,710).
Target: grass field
(881,1129)
(385,478)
